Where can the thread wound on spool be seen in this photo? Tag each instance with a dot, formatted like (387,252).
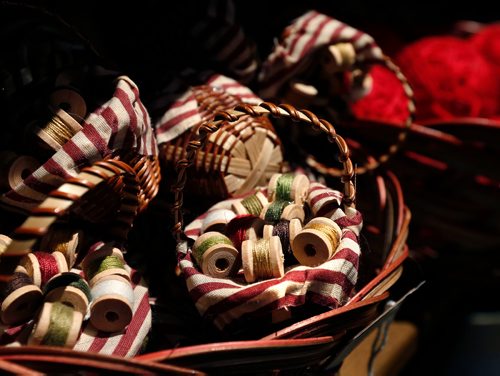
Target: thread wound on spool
(262,259)
(61,288)
(317,242)
(252,204)
(207,243)
(281,230)
(100,265)
(111,309)
(216,255)
(284,187)
(20,299)
(237,229)
(274,211)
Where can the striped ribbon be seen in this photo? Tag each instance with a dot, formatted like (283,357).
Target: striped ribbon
(300,39)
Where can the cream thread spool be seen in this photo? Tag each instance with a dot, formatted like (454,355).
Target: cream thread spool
(112,304)
(300,94)
(14,169)
(317,242)
(103,262)
(338,58)
(21,298)
(60,129)
(37,266)
(217,220)
(71,289)
(288,187)
(70,101)
(215,254)
(361,84)
(64,240)
(252,204)
(262,259)
(57,325)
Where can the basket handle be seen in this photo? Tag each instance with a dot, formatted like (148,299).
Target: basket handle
(280,111)
(62,199)
(375,162)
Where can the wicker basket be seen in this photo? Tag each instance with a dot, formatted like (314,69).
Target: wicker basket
(236,158)
(306,344)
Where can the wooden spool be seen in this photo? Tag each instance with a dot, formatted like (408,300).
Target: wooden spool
(58,130)
(70,101)
(298,191)
(312,247)
(301,94)
(111,312)
(239,209)
(294,227)
(101,253)
(20,305)
(30,263)
(275,255)
(15,168)
(289,212)
(64,240)
(338,58)
(220,260)
(69,295)
(43,325)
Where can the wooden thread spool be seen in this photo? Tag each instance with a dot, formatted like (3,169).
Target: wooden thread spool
(41,266)
(286,231)
(282,210)
(322,200)
(217,220)
(288,187)
(59,130)
(103,262)
(113,301)
(252,204)
(361,84)
(69,288)
(70,101)
(57,325)
(262,259)
(20,299)
(4,243)
(14,169)
(244,227)
(302,95)
(338,58)
(64,240)
(216,255)
(317,242)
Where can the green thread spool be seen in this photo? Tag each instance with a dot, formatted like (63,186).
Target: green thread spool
(102,264)
(70,289)
(57,325)
(274,211)
(215,254)
(284,187)
(252,205)
(289,187)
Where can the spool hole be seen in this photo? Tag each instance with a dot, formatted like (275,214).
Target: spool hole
(23,307)
(221,264)
(310,250)
(64,106)
(111,316)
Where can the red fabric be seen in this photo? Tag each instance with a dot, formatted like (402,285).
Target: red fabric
(450,78)
(386,101)
(487,42)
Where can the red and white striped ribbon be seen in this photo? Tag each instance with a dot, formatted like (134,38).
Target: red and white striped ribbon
(121,123)
(300,39)
(226,300)
(184,113)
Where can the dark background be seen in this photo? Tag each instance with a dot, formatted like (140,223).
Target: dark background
(458,310)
